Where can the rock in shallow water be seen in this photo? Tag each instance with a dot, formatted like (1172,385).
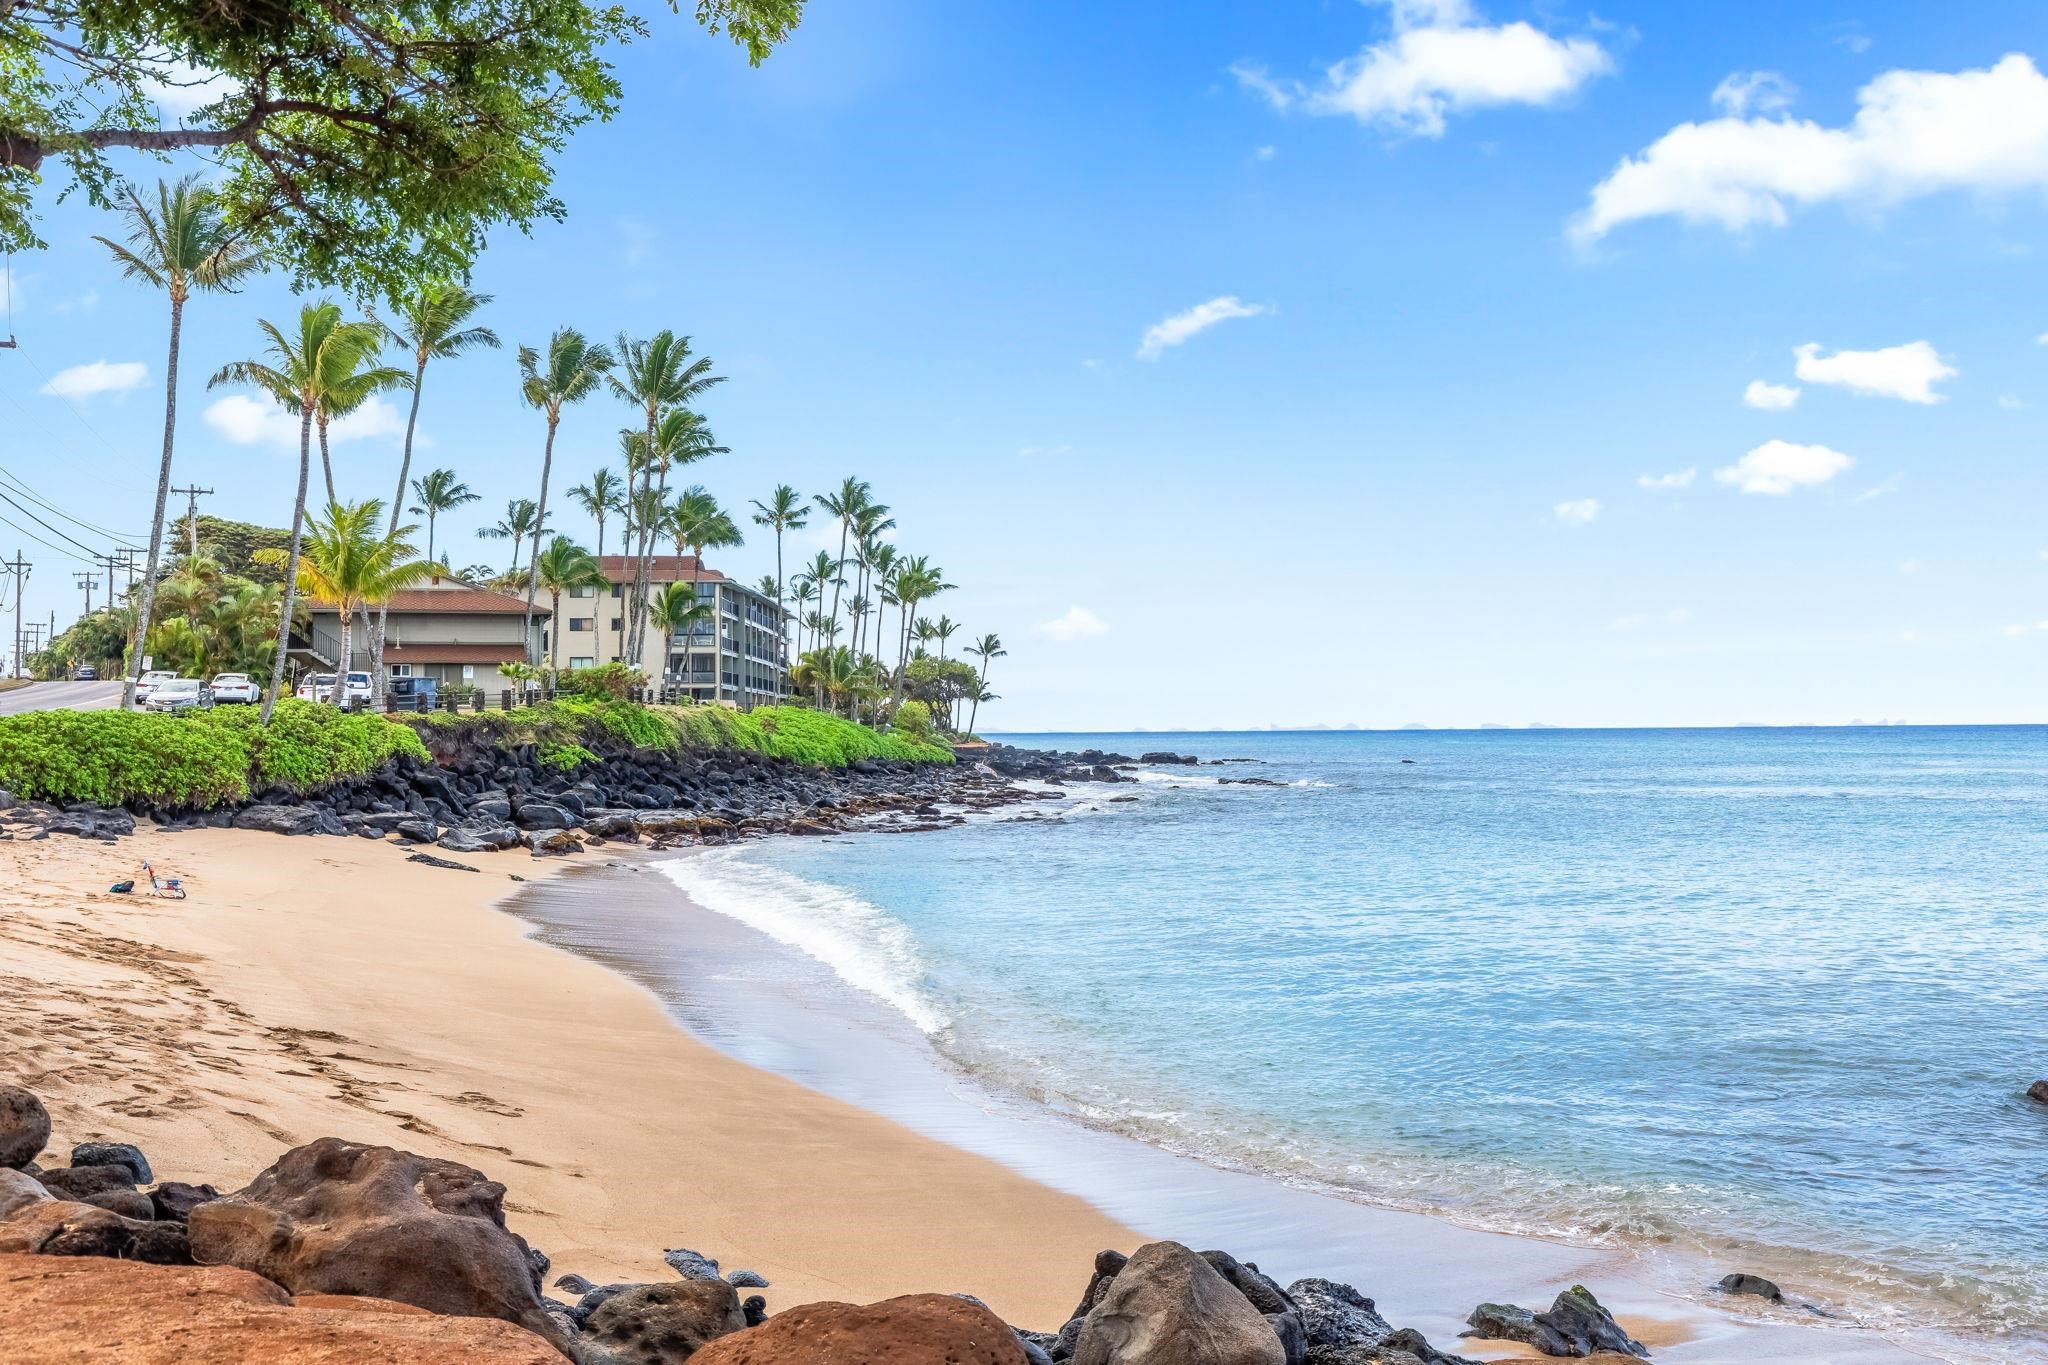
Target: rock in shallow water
(1741,1283)
(1574,1326)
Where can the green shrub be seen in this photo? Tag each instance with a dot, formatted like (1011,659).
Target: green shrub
(914,719)
(204,759)
(307,745)
(565,757)
(614,680)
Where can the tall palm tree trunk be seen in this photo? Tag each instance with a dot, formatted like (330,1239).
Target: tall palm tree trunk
(419,377)
(156,523)
(839,573)
(326,464)
(554,629)
(291,568)
(430,533)
(340,694)
(540,519)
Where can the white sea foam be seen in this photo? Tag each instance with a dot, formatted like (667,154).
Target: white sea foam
(867,947)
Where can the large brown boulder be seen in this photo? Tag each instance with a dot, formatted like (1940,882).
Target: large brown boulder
(55,1311)
(663,1324)
(918,1329)
(336,1217)
(1168,1306)
(24,1126)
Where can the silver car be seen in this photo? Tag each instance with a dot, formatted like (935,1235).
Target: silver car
(179,695)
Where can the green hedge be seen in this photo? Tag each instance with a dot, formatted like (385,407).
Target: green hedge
(791,732)
(116,757)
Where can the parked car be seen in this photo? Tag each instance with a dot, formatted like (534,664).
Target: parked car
(415,693)
(320,687)
(85,673)
(149,681)
(234,688)
(179,695)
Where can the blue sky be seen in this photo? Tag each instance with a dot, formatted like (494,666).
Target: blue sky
(1398,475)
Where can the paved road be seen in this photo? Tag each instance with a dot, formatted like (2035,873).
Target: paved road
(57,696)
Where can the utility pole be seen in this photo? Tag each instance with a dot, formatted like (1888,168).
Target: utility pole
(19,567)
(88,582)
(192,497)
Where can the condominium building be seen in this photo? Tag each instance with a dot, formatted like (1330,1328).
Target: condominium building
(738,655)
(443,629)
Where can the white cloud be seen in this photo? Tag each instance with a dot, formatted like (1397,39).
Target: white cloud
(180,88)
(1907,372)
(2041,340)
(1266,153)
(1780,466)
(1884,488)
(78,303)
(247,420)
(1078,623)
(1173,331)
(1910,565)
(1667,483)
(1035,452)
(1766,92)
(2011,402)
(101,376)
(2029,628)
(1440,59)
(1577,512)
(1915,133)
(1770,397)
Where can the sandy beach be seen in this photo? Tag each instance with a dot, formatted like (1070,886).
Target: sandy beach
(326,986)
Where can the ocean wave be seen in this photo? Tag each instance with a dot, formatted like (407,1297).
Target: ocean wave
(864,945)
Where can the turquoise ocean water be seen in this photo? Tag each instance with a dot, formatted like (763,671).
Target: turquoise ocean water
(1772,995)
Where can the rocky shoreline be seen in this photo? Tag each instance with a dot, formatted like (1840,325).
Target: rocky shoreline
(478,796)
(343,1251)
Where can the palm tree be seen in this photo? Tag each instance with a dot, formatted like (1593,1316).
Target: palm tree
(784,511)
(868,525)
(431,326)
(655,375)
(942,631)
(349,378)
(599,498)
(698,523)
(178,246)
(845,505)
(297,380)
(438,492)
(986,648)
(521,520)
(350,562)
(569,374)
(564,567)
(677,609)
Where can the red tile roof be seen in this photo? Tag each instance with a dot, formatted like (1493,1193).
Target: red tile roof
(454,598)
(660,569)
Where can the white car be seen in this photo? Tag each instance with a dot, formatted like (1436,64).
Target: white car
(235,687)
(320,687)
(178,695)
(149,681)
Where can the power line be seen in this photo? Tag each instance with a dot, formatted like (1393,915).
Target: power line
(192,497)
(19,567)
(39,500)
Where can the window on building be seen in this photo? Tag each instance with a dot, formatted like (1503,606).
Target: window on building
(617,589)
(582,661)
(586,590)
(582,623)
(401,670)
(618,623)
